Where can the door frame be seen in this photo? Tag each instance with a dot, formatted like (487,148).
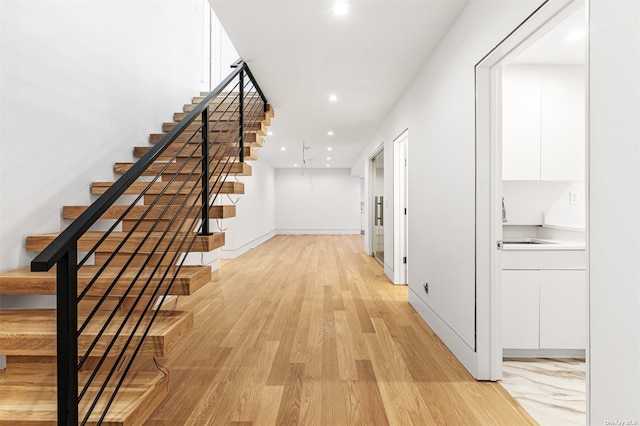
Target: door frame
(489,180)
(400,201)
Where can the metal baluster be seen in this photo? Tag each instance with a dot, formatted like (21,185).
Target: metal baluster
(241,77)
(67,327)
(205,172)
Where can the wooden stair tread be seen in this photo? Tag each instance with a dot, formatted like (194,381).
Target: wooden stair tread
(254,113)
(224,127)
(23,281)
(29,397)
(192,167)
(116,211)
(157,188)
(33,332)
(250,139)
(203,243)
(249,93)
(250,153)
(226,98)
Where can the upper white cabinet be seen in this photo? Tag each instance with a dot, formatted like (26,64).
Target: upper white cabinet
(521,124)
(543,123)
(563,123)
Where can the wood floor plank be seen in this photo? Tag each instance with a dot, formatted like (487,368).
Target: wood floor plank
(289,412)
(299,348)
(357,340)
(346,352)
(372,405)
(307,329)
(269,402)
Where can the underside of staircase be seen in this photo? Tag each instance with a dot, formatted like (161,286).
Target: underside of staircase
(28,336)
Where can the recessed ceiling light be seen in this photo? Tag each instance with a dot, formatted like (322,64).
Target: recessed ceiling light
(269,133)
(328,158)
(333,98)
(283,149)
(329,149)
(330,133)
(340,8)
(575,34)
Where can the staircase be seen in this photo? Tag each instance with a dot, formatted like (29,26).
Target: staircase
(131,270)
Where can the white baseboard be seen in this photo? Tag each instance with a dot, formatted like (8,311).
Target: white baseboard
(388,271)
(317,231)
(466,355)
(544,353)
(209,258)
(227,253)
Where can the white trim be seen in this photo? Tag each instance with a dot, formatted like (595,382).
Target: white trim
(544,353)
(209,258)
(400,144)
(232,254)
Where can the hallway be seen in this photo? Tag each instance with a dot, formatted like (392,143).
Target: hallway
(306,329)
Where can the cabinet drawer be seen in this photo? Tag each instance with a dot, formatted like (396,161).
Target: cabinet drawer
(543,259)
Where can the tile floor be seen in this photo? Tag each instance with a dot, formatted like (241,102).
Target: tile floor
(551,390)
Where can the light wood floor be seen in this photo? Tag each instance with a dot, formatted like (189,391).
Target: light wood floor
(308,330)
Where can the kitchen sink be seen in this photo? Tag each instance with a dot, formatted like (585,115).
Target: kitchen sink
(523,242)
(528,241)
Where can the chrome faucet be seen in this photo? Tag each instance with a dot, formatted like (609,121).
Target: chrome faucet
(504,212)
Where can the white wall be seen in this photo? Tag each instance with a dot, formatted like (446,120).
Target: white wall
(323,201)
(438,108)
(544,202)
(82,83)
(614,220)
(222,50)
(255,212)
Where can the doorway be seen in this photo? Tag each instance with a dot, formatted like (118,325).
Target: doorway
(527,309)
(377,199)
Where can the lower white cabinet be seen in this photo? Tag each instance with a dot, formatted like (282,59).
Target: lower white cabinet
(520,309)
(563,310)
(544,309)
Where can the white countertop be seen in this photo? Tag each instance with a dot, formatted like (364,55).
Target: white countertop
(539,244)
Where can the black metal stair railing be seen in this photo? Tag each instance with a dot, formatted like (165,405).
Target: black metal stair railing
(103,324)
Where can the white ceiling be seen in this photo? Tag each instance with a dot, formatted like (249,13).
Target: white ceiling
(300,53)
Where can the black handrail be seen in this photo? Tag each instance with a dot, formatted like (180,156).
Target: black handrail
(64,249)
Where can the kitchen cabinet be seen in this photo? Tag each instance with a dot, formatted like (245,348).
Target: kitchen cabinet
(520,309)
(562,138)
(521,124)
(543,123)
(544,309)
(563,310)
